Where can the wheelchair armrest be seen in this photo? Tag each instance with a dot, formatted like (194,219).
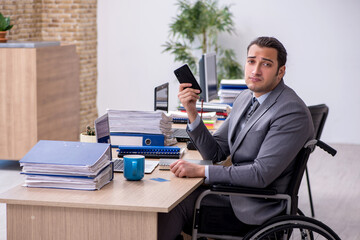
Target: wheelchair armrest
(247,190)
(230,190)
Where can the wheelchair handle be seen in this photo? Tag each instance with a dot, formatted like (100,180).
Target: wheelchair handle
(326,147)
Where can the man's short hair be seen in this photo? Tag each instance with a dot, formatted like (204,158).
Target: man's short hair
(271,42)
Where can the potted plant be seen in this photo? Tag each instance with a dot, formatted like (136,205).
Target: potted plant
(88,135)
(4,27)
(196,28)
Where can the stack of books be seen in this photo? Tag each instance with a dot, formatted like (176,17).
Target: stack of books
(182,117)
(230,89)
(68,165)
(210,124)
(134,128)
(221,110)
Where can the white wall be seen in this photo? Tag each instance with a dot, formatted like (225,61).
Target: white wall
(321,37)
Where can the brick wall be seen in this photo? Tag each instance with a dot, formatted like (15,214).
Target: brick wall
(68,21)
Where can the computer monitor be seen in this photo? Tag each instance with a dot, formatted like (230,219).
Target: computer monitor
(208,77)
(161,97)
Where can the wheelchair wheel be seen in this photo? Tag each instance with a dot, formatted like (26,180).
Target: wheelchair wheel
(293,227)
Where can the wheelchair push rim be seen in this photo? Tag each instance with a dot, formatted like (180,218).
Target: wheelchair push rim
(293,227)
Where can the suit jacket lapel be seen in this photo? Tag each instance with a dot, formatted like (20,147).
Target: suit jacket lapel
(263,108)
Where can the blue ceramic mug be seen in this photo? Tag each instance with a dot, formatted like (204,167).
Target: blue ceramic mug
(134,167)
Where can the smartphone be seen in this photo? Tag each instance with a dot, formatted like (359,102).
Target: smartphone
(184,75)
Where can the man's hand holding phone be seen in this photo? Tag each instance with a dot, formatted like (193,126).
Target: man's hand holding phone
(184,75)
(188,97)
(189,90)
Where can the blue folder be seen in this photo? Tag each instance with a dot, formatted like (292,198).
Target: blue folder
(66,153)
(52,164)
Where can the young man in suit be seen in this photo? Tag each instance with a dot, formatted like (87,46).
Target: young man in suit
(267,127)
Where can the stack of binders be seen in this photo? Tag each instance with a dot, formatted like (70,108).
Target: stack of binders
(134,128)
(68,165)
(230,89)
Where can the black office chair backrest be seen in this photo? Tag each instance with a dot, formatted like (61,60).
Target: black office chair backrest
(319,114)
(299,169)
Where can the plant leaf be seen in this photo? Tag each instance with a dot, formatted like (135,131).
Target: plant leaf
(5,23)
(197,26)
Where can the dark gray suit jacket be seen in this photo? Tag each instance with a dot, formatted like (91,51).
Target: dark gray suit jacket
(263,152)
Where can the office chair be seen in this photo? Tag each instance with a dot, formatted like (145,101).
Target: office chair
(279,227)
(319,114)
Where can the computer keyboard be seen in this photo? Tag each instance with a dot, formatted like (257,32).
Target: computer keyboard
(150,165)
(180,120)
(118,165)
(164,163)
(180,132)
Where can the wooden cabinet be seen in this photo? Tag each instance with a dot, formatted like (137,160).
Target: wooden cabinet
(39,97)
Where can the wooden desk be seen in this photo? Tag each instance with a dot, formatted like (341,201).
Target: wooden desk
(121,210)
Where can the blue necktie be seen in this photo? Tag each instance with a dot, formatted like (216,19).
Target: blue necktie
(253,108)
(255,104)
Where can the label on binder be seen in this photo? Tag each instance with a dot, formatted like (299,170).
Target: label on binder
(136,139)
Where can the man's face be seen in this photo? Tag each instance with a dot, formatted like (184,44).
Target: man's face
(261,73)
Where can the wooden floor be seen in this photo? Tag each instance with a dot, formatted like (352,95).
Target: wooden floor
(334,181)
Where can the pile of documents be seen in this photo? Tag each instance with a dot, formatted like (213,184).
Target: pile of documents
(134,128)
(230,89)
(69,165)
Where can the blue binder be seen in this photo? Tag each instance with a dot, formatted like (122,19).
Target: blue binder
(65,153)
(73,155)
(136,139)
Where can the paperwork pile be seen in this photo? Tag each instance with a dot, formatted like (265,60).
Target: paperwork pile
(230,89)
(70,165)
(142,128)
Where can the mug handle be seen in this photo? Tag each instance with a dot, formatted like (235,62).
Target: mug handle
(134,167)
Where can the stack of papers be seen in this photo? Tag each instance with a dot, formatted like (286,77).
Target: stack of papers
(124,125)
(71,165)
(230,89)
(139,122)
(77,183)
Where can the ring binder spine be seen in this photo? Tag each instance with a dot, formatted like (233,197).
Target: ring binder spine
(150,152)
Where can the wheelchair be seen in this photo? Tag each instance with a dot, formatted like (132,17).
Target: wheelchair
(292,225)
